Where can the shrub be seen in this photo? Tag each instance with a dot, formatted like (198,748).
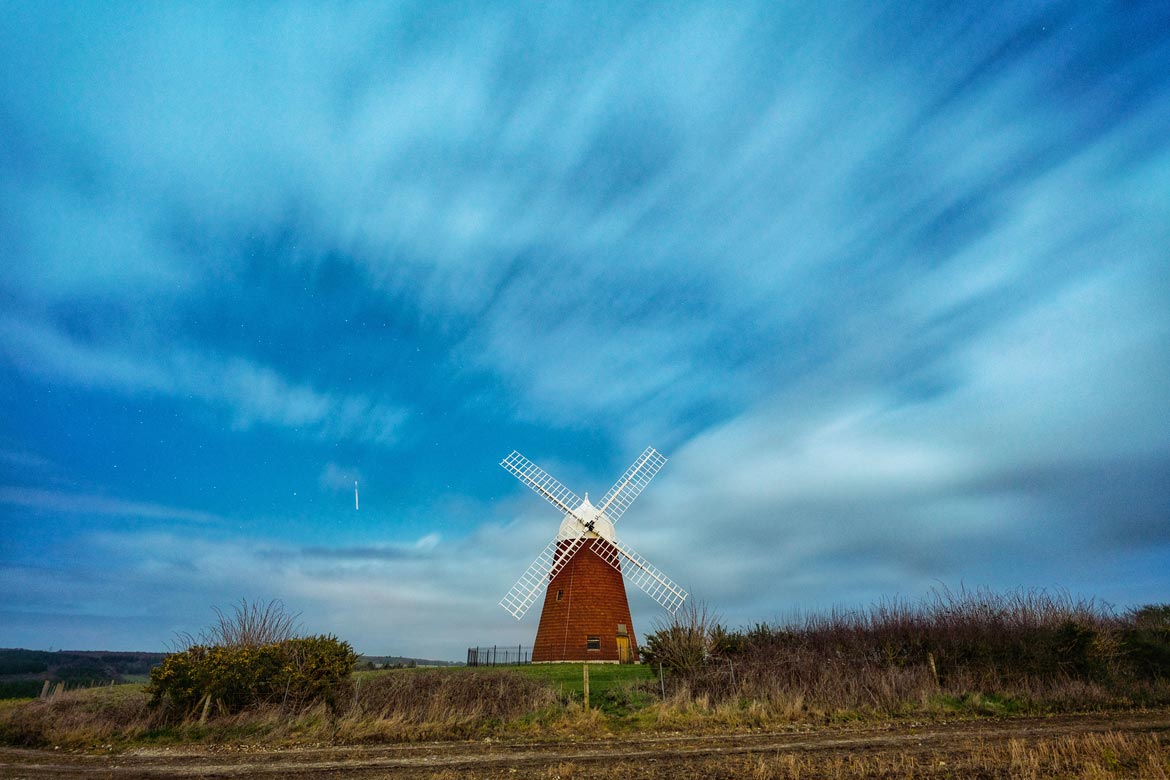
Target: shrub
(1145,642)
(293,674)
(687,642)
(251,659)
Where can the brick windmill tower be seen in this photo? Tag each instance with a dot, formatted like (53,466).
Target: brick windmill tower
(586,615)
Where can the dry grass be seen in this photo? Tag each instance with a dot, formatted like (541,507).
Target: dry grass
(562,771)
(971,653)
(82,717)
(440,703)
(1108,756)
(460,704)
(977,651)
(394,706)
(251,624)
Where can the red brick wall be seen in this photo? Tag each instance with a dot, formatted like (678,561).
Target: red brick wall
(593,603)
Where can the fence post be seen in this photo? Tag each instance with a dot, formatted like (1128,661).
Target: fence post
(585,667)
(661,681)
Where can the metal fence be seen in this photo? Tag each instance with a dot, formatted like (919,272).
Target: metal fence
(499,656)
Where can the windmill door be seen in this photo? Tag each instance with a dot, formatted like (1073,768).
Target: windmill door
(623,648)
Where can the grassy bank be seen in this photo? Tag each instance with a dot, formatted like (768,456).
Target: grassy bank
(1020,652)
(528,702)
(605,680)
(968,654)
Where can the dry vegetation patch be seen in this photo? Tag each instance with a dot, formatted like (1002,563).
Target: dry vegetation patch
(1108,756)
(437,703)
(970,651)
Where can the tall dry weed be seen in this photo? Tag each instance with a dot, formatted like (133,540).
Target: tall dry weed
(406,705)
(250,624)
(79,717)
(1022,650)
(1109,756)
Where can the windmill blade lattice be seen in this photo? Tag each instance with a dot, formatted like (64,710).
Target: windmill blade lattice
(533,582)
(542,483)
(615,503)
(643,574)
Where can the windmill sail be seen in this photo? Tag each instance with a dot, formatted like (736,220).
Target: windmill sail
(532,583)
(542,483)
(583,522)
(643,574)
(615,503)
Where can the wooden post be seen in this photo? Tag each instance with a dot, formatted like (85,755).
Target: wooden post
(585,667)
(45,690)
(933,668)
(206,708)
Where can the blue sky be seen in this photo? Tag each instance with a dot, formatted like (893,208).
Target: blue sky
(889,287)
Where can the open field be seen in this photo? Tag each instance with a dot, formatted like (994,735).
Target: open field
(566,677)
(982,685)
(601,676)
(658,740)
(24,672)
(1134,745)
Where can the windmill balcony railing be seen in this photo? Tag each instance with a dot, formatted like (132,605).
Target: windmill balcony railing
(499,655)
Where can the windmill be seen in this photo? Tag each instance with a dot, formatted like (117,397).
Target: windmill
(586,615)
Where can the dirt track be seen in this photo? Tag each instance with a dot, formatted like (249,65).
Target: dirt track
(713,756)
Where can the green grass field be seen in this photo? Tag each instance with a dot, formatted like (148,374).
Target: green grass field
(569,678)
(615,689)
(602,677)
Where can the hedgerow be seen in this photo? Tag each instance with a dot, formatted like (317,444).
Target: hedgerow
(1044,649)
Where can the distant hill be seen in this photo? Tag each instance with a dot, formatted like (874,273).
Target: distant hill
(398,661)
(23,672)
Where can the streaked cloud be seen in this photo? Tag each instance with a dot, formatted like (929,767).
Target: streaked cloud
(888,285)
(51,501)
(250,394)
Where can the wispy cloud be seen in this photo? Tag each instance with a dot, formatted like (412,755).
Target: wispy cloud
(84,504)
(336,477)
(424,547)
(17,458)
(857,491)
(250,394)
(379,601)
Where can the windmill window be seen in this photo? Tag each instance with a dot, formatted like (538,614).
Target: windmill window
(559,594)
(593,643)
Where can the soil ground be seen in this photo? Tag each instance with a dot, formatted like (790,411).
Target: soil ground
(954,749)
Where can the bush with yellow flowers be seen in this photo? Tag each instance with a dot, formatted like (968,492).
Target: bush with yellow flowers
(292,674)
